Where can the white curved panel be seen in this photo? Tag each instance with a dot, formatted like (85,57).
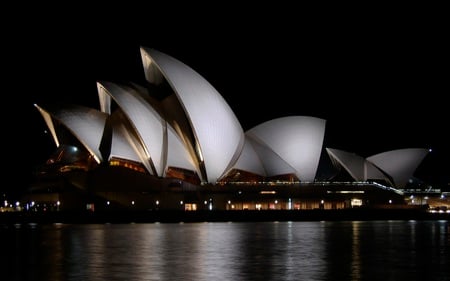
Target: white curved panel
(216,128)
(121,148)
(152,73)
(146,121)
(120,144)
(296,139)
(249,160)
(49,122)
(177,155)
(351,162)
(358,167)
(273,164)
(372,173)
(86,125)
(400,164)
(104,99)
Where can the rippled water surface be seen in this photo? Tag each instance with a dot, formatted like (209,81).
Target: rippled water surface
(347,250)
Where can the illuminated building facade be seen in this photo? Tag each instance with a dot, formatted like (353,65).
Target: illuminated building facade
(175,143)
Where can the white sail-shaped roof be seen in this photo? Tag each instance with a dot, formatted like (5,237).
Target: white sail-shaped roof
(86,124)
(296,139)
(371,172)
(351,162)
(120,144)
(177,155)
(358,167)
(190,126)
(273,164)
(147,123)
(125,143)
(249,160)
(400,164)
(218,133)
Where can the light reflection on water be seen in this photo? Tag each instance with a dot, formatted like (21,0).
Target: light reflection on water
(348,250)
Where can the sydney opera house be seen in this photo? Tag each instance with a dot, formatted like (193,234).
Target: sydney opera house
(175,143)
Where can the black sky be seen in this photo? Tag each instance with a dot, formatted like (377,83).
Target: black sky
(380,81)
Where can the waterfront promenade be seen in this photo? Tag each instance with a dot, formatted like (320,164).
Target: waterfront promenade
(176,216)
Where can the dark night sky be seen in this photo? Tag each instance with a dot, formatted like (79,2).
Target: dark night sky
(380,82)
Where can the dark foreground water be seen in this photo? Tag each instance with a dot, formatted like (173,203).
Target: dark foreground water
(346,250)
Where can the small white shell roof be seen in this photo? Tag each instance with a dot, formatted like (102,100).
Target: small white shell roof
(120,144)
(400,164)
(145,120)
(86,124)
(351,162)
(297,140)
(177,155)
(215,126)
(125,143)
(358,167)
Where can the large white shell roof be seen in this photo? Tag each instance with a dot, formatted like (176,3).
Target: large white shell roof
(295,139)
(218,132)
(400,164)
